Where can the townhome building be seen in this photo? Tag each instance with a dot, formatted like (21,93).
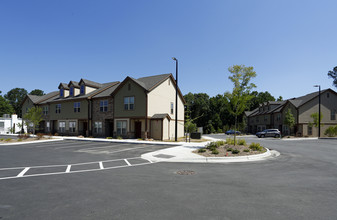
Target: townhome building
(272,114)
(133,108)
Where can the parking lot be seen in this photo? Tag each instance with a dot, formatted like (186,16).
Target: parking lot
(67,157)
(299,184)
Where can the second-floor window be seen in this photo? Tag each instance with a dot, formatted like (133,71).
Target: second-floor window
(71,92)
(82,89)
(333,115)
(129,103)
(103,106)
(58,109)
(77,106)
(45,110)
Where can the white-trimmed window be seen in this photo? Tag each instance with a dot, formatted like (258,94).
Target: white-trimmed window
(103,106)
(309,130)
(71,92)
(62,126)
(72,126)
(121,127)
(77,106)
(98,127)
(45,110)
(58,108)
(333,115)
(129,103)
(172,107)
(82,89)
(47,126)
(61,92)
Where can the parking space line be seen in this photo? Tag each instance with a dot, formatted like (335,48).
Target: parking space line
(68,168)
(148,160)
(71,172)
(101,165)
(23,172)
(127,162)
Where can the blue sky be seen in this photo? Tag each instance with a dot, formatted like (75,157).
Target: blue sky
(291,44)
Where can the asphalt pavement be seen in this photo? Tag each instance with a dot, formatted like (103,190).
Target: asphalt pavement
(299,184)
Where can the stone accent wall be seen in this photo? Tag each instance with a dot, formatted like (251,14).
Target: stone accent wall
(105,117)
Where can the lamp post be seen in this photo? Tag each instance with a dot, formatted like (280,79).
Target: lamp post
(176,122)
(319,109)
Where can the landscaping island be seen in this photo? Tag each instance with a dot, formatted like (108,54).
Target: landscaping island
(227,148)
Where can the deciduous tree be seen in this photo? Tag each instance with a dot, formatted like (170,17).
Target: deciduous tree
(15,98)
(37,92)
(333,74)
(33,117)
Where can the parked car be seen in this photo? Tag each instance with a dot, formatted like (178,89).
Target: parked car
(232,132)
(269,133)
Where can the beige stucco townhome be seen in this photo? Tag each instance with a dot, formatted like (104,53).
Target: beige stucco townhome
(133,108)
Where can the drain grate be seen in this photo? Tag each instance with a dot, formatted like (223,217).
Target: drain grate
(185,172)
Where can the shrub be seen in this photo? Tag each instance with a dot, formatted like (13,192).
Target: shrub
(331,131)
(215,151)
(213,145)
(119,138)
(8,139)
(230,141)
(56,134)
(246,150)
(235,151)
(2,139)
(229,149)
(39,135)
(256,147)
(19,139)
(201,150)
(221,142)
(108,137)
(242,142)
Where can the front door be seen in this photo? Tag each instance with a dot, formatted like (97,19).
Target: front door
(138,129)
(85,128)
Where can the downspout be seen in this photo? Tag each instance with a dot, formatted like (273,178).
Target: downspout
(146,114)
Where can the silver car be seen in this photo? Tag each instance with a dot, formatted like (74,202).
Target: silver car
(269,133)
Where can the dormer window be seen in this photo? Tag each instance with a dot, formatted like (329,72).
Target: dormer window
(61,92)
(71,91)
(82,89)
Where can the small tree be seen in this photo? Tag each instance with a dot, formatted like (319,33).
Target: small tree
(241,94)
(289,120)
(34,116)
(316,119)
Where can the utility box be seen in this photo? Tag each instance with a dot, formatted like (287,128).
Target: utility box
(196,135)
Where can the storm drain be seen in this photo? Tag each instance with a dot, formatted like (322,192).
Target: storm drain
(185,172)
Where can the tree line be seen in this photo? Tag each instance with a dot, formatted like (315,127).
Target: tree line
(11,102)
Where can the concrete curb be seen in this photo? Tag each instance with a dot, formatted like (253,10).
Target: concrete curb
(31,142)
(184,154)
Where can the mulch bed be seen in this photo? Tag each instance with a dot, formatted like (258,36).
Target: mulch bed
(224,153)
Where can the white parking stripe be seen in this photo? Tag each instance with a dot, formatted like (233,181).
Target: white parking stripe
(23,172)
(101,165)
(149,160)
(127,162)
(68,168)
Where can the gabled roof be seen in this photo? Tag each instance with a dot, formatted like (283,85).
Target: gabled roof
(39,99)
(90,95)
(64,85)
(74,83)
(91,83)
(149,83)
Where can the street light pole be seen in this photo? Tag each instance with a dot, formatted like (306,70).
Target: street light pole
(319,110)
(176,122)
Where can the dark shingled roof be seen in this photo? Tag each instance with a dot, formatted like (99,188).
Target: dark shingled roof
(160,116)
(74,83)
(106,90)
(38,99)
(150,82)
(91,83)
(64,85)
